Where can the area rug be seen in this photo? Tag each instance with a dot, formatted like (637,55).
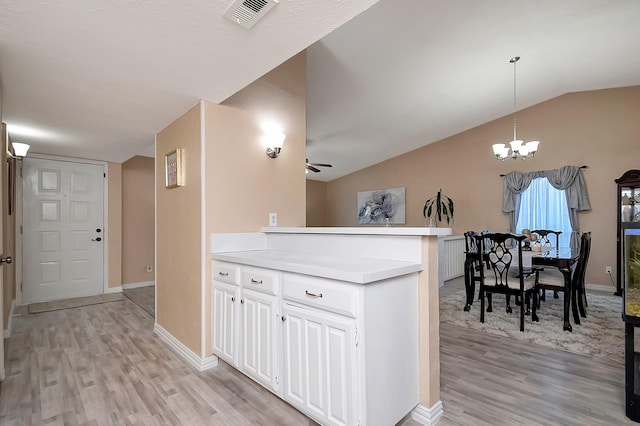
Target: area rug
(601,333)
(55,305)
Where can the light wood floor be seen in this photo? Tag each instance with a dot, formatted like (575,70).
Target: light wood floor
(491,380)
(145,297)
(103,365)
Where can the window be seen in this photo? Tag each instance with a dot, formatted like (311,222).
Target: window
(544,207)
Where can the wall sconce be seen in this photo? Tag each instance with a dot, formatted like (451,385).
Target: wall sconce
(274,143)
(19,150)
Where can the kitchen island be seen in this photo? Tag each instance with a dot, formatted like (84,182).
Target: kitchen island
(340,322)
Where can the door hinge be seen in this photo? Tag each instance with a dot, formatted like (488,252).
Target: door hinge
(277,380)
(357,337)
(104,175)
(20,229)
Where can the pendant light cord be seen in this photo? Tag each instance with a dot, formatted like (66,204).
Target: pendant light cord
(514,60)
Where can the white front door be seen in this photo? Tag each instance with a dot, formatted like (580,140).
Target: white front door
(63,230)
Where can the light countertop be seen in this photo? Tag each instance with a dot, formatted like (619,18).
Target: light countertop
(361,230)
(344,268)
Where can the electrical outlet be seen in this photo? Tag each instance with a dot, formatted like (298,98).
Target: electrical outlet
(608,270)
(149,268)
(273,219)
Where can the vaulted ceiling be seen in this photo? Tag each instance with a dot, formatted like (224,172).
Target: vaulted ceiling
(98,80)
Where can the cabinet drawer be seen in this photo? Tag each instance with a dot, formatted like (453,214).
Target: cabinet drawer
(226,272)
(324,294)
(263,280)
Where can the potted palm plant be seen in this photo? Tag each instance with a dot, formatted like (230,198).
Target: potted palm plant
(438,207)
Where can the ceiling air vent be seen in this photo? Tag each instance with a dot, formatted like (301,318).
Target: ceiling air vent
(247,12)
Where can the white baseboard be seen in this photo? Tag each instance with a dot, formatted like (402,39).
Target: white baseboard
(186,353)
(601,287)
(427,416)
(7,332)
(138,285)
(113,289)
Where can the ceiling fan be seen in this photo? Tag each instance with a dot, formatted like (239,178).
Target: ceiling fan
(311,166)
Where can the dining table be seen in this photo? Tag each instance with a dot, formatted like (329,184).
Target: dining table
(562,258)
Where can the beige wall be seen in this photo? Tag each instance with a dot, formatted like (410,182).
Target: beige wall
(316,203)
(138,219)
(597,128)
(241,187)
(236,154)
(178,234)
(114,224)
(260,184)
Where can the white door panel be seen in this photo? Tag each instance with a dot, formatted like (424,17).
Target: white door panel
(319,353)
(63,230)
(225,320)
(258,336)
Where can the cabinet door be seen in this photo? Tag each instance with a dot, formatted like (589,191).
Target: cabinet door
(319,353)
(225,320)
(259,331)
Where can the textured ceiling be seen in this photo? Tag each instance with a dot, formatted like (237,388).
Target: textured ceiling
(99,79)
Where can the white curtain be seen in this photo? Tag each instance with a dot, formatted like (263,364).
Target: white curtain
(544,207)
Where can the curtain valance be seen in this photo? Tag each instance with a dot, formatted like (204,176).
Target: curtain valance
(567,178)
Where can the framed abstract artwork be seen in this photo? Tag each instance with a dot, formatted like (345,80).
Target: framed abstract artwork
(382,207)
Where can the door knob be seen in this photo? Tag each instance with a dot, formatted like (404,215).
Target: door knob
(96,239)
(7,259)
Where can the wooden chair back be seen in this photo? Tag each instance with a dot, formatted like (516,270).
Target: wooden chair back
(548,237)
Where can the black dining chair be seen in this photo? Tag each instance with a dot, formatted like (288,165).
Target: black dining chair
(555,280)
(582,290)
(472,259)
(506,273)
(548,239)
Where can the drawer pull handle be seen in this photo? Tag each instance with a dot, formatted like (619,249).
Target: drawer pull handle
(224,274)
(233,299)
(256,281)
(283,318)
(242,301)
(319,295)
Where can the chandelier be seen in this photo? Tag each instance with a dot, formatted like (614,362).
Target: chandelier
(518,148)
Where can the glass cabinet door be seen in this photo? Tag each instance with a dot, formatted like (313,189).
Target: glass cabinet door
(630,199)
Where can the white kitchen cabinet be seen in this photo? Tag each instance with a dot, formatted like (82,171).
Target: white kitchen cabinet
(344,353)
(319,350)
(245,328)
(260,325)
(350,350)
(258,336)
(226,299)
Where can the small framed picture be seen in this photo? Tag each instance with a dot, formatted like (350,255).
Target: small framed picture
(173,169)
